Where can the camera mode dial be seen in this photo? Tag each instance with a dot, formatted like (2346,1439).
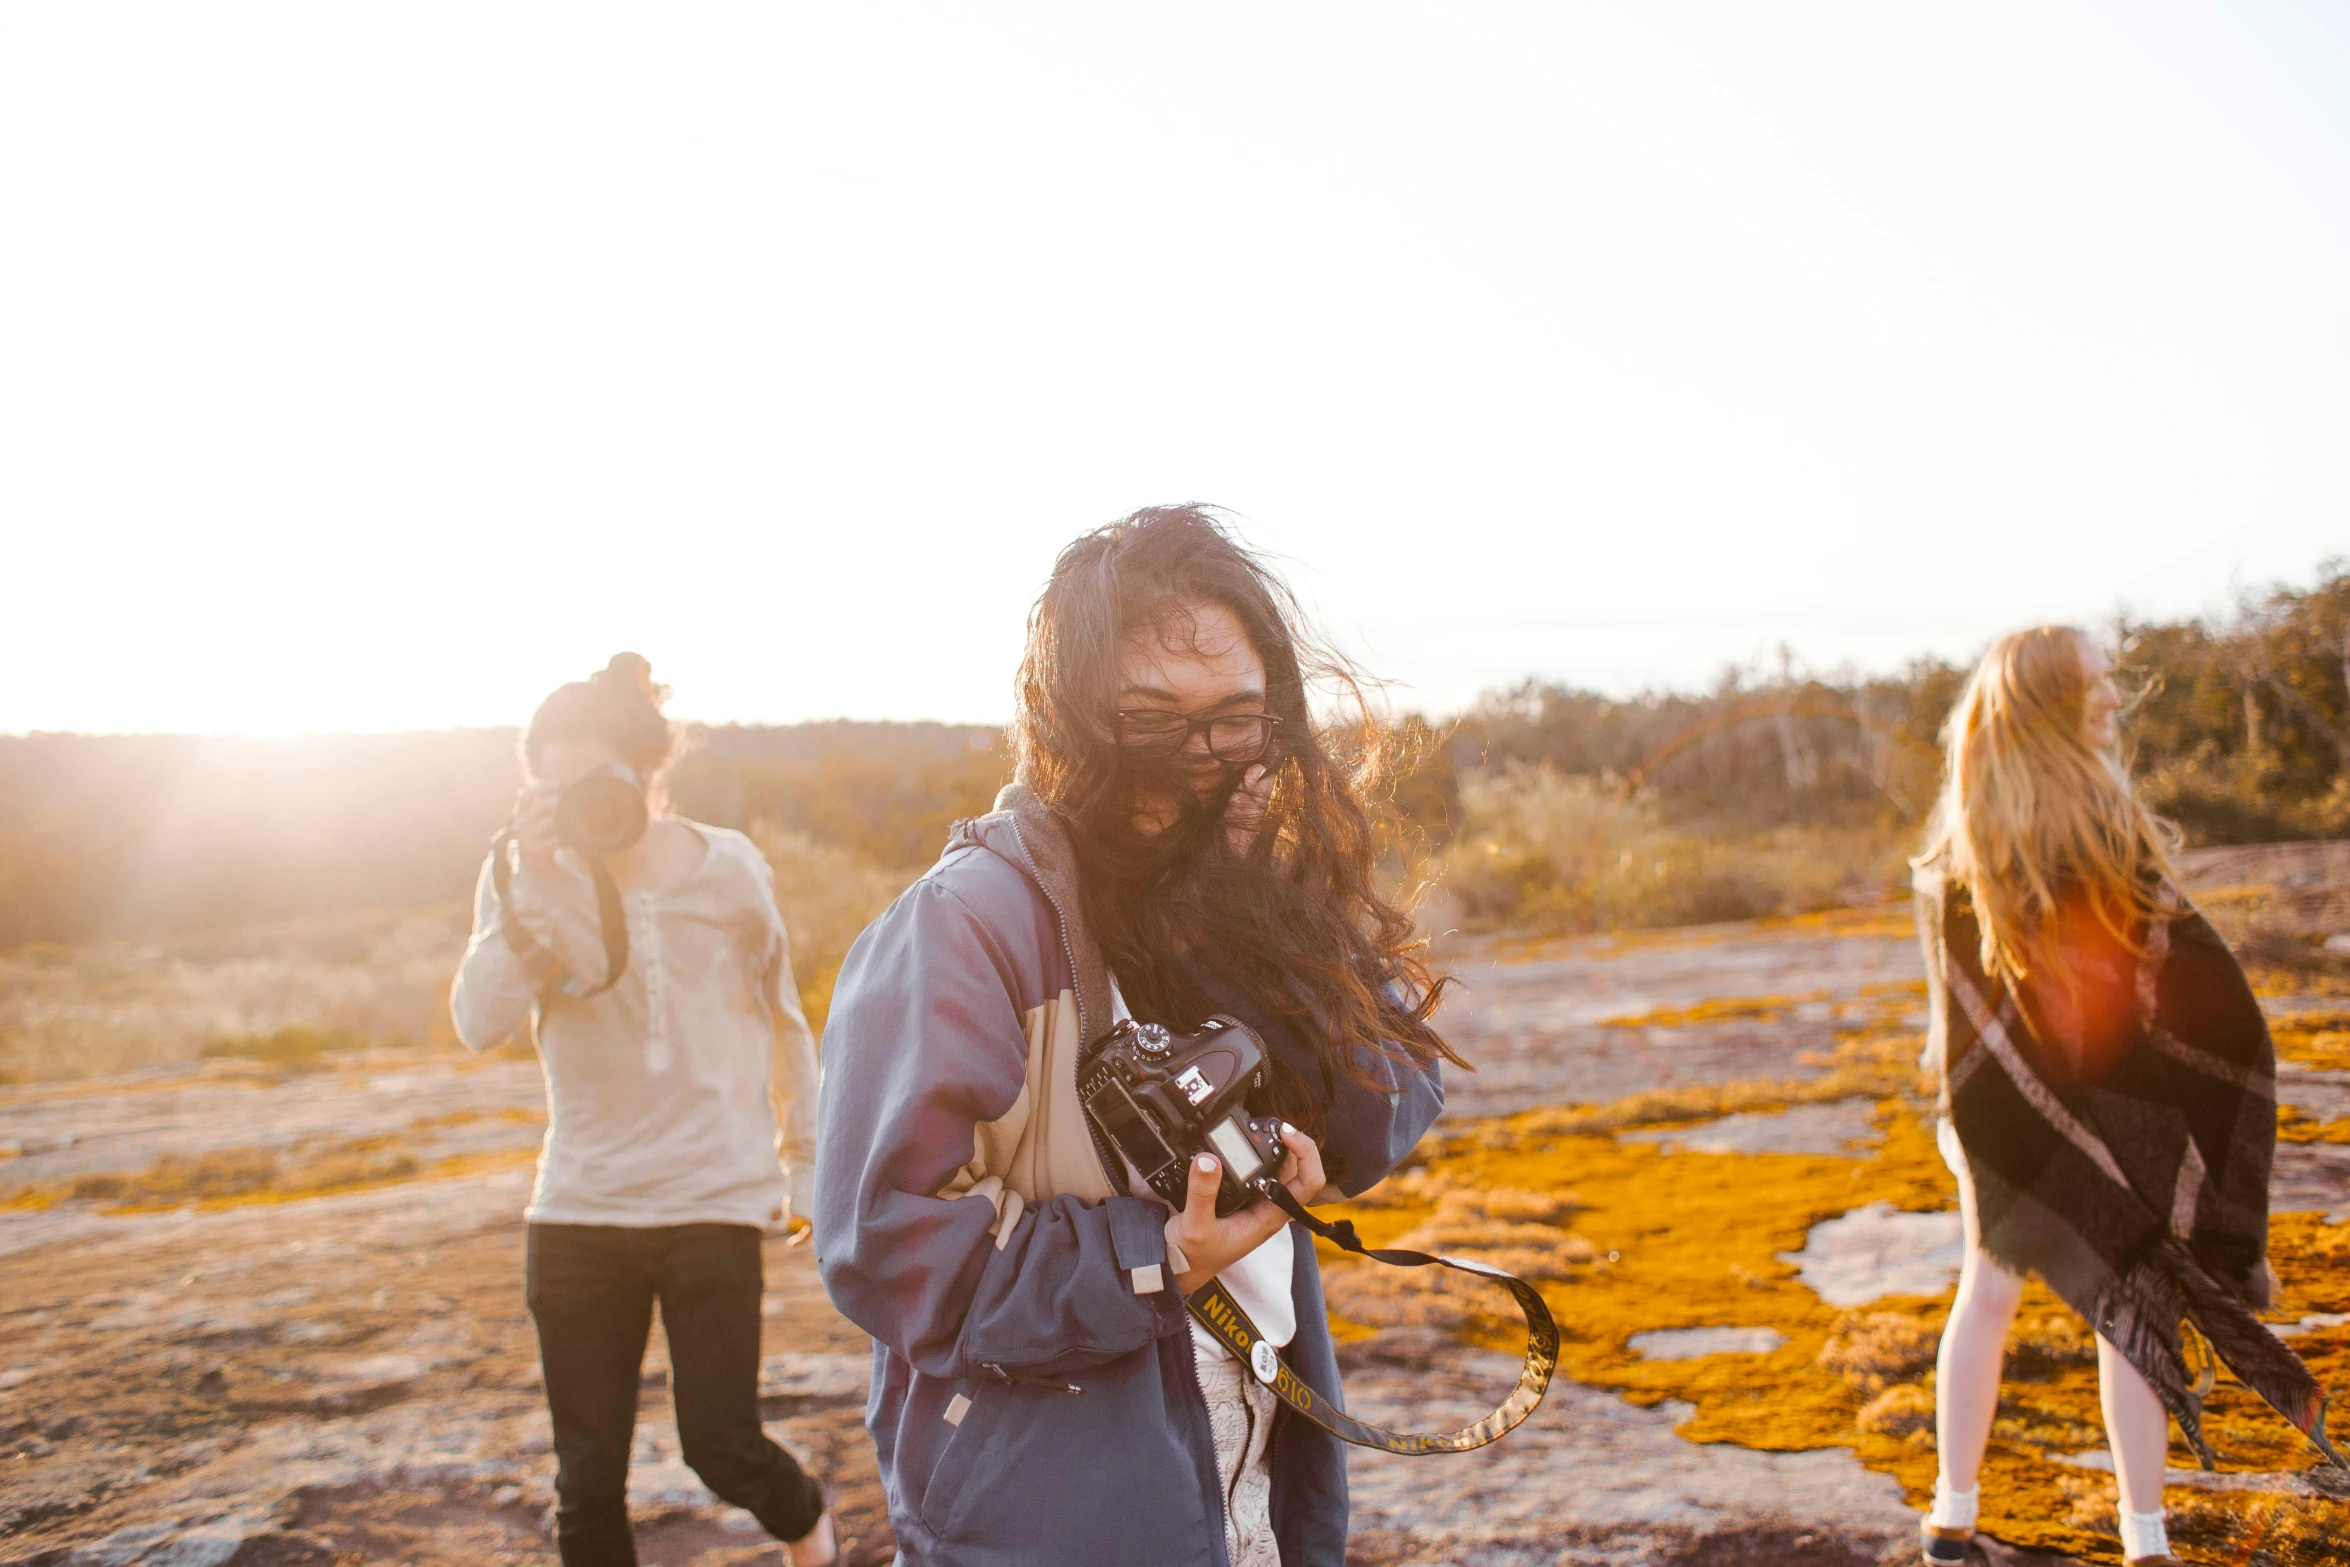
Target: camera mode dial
(1153,1040)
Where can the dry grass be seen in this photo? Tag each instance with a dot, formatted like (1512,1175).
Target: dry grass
(1904,1412)
(286,993)
(1543,850)
(827,897)
(117,1006)
(1869,1350)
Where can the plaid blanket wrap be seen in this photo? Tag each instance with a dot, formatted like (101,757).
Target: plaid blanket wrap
(2135,1181)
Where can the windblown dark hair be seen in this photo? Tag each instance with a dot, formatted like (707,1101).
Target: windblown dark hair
(1296,925)
(618,706)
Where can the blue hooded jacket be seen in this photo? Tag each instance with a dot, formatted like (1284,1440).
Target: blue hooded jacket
(964,1219)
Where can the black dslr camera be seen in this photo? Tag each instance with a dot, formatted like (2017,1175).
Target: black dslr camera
(1162,1097)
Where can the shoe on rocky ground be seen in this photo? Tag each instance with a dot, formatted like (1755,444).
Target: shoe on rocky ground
(1944,1547)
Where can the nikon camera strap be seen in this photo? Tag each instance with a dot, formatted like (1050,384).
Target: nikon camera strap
(549,975)
(1213,1306)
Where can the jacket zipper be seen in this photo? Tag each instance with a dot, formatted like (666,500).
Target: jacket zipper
(1222,1522)
(1018,1379)
(1114,1171)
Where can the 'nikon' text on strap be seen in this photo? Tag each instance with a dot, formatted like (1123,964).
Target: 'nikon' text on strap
(1215,1309)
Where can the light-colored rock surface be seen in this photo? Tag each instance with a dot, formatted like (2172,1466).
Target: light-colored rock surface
(1590,1478)
(1690,1343)
(1842,1127)
(1876,1251)
(2323,1096)
(1537,1028)
(448,1104)
(2311,1178)
(283,1382)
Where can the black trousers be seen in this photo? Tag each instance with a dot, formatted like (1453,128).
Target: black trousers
(591,1290)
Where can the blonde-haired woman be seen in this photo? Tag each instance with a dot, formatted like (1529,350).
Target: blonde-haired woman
(2108,1085)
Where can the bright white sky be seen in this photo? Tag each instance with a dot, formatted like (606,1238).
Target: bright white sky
(382,367)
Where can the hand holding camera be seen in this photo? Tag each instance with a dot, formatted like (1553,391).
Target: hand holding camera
(534,827)
(1174,1107)
(601,813)
(1212,1243)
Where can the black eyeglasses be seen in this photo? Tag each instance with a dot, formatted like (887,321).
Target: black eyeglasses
(1232,737)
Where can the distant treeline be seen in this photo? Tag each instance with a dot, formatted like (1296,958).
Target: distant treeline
(114,834)
(2240,733)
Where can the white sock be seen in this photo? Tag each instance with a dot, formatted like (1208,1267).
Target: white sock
(1955,1509)
(2144,1535)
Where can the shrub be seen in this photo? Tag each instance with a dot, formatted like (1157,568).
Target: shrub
(1544,849)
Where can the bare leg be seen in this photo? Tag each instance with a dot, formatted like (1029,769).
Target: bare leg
(2137,1427)
(1966,1370)
(1974,1343)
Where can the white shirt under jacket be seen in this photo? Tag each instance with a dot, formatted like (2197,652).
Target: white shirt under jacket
(1259,1281)
(661,1092)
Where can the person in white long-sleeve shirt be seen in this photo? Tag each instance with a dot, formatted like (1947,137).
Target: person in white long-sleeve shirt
(666,1159)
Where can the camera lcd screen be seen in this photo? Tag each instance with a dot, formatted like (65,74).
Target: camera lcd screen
(1127,1128)
(1142,1147)
(1233,1147)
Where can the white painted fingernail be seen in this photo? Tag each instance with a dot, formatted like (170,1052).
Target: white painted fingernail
(1207,1163)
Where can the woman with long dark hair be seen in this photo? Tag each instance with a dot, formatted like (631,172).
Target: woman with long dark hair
(1180,842)
(2108,1085)
(655,976)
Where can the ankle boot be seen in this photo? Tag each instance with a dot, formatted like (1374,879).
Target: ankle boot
(1944,1547)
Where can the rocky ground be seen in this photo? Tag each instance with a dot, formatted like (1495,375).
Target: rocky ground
(329,1360)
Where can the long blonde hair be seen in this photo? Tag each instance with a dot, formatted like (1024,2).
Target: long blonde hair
(2031,811)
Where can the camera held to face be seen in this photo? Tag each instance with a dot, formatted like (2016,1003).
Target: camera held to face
(601,813)
(1162,1097)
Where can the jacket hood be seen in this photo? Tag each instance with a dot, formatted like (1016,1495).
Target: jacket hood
(1032,835)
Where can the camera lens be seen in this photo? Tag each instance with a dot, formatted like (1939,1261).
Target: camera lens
(600,815)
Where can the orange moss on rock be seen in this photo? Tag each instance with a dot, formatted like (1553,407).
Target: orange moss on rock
(1732,1009)
(2298,1126)
(235,1177)
(1885,919)
(2319,1040)
(1866,1063)
(2256,1529)
(1674,1240)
